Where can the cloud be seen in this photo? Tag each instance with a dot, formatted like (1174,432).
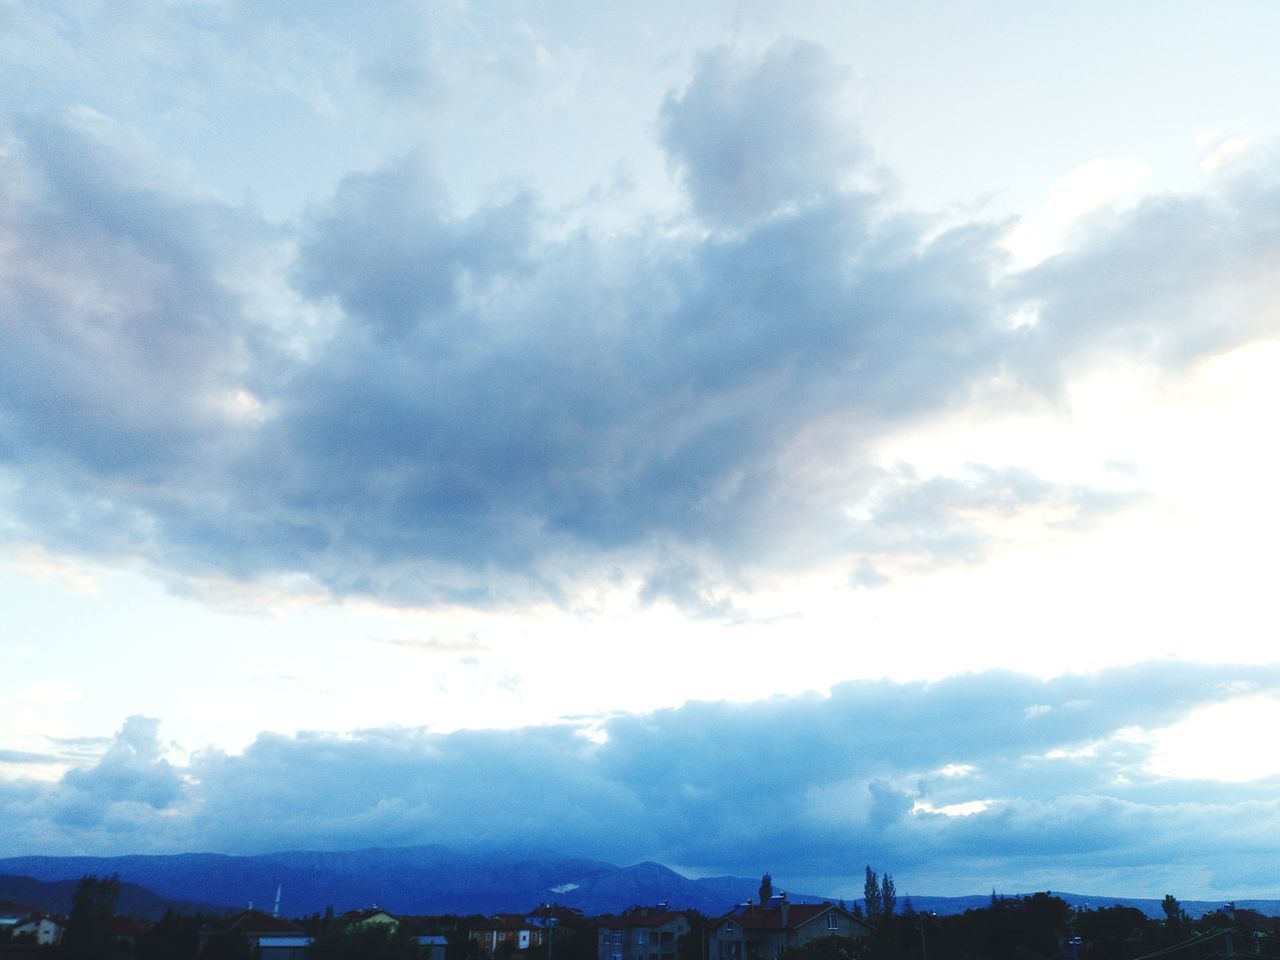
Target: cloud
(752,137)
(393,258)
(1173,281)
(429,404)
(1049,772)
(24,756)
(131,771)
(449,646)
(953,519)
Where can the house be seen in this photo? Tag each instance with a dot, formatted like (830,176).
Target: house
(504,933)
(269,936)
(274,947)
(1253,923)
(762,932)
(430,934)
(370,915)
(433,946)
(641,933)
(42,928)
(12,913)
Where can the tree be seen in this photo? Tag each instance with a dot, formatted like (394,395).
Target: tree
(365,941)
(1111,932)
(227,946)
(766,889)
(871,893)
(825,948)
(569,938)
(175,937)
(888,895)
(690,946)
(92,906)
(1173,912)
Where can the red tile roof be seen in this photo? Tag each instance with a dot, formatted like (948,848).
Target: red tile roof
(752,918)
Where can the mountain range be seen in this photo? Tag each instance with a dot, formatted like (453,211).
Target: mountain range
(437,879)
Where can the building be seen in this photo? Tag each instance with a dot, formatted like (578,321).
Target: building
(11,913)
(762,932)
(505,933)
(372,914)
(268,936)
(43,929)
(641,933)
(433,946)
(276,947)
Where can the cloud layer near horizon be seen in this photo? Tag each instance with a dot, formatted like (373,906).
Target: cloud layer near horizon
(810,786)
(393,397)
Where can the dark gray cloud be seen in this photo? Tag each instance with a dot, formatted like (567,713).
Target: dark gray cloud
(479,406)
(815,785)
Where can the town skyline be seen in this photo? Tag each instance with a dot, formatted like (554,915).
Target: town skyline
(729,437)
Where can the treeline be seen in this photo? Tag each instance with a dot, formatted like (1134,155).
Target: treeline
(1037,927)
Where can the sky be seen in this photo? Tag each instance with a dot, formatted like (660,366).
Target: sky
(739,435)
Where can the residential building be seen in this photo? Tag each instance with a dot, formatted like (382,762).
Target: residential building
(372,914)
(433,946)
(267,935)
(641,933)
(278,947)
(11,913)
(762,932)
(505,933)
(43,929)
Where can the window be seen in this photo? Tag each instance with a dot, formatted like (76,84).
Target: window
(616,938)
(833,921)
(640,938)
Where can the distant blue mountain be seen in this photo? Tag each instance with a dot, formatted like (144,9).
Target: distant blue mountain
(437,879)
(405,880)
(54,896)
